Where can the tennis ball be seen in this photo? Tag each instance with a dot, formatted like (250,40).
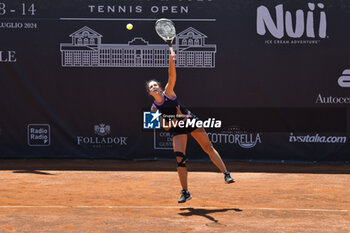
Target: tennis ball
(129,26)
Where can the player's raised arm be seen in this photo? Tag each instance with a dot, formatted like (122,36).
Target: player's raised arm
(169,87)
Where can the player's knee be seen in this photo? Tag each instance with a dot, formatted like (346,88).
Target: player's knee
(178,159)
(181,159)
(208,148)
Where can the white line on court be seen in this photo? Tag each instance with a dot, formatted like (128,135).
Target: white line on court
(133,19)
(180,207)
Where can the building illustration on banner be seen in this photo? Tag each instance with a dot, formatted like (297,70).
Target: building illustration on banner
(87,50)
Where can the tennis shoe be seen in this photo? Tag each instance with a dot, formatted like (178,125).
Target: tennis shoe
(185,196)
(228,178)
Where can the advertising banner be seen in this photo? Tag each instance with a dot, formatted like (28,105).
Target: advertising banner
(276,74)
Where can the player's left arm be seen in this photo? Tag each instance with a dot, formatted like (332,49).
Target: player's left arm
(169,87)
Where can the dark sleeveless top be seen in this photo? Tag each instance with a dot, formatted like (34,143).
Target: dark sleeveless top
(168,106)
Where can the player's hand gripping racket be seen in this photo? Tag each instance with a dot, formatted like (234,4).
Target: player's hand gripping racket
(166,30)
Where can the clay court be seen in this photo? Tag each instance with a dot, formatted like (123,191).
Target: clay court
(126,196)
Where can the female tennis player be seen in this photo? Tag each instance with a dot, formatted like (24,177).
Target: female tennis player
(167,103)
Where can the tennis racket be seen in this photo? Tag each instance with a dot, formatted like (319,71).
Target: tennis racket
(165,28)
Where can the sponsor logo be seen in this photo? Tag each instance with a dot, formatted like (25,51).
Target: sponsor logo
(191,123)
(281,25)
(102,129)
(332,100)
(87,50)
(344,80)
(151,120)
(243,139)
(317,139)
(163,140)
(8,56)
(101,141)
(38,134)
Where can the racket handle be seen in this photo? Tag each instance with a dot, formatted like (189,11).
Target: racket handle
(171,51)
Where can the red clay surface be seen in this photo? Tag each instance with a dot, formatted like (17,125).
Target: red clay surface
(124,196)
